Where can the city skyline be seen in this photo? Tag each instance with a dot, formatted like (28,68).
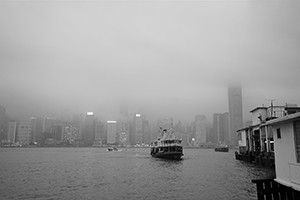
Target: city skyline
(115,114)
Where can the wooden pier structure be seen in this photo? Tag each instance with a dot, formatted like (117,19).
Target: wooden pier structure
(269,189)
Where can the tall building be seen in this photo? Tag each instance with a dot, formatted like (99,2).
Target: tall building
(111,132)
(33,122)
(146,132)
(2,123)
(100,133)
(235,106)
(24,132)
(78,124)
(12,131)
(138,128)
(220,128)
(89,133)
(200,129)
(48,122)
(123,139)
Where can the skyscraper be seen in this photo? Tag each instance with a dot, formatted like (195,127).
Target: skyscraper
(48,122)
(78,124)
(200,129)
(33,133)
(89,134)
(12,130)
(138,129)
(235,106)
(24,132)
(2,123)
(220,128)
(100,133)
(111,132)
(146,132)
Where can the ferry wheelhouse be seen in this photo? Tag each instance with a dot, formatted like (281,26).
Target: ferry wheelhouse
(166,147)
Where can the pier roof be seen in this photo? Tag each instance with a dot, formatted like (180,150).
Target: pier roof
(290,117)
(248,127)
(260,107)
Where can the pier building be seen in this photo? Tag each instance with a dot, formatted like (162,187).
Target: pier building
(286,184)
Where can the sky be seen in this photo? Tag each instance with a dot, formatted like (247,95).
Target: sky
(165,58)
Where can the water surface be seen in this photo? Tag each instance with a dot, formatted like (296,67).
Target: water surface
(95,173)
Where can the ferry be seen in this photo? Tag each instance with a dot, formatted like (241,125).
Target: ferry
(167,146)
(112,149)
(222,148)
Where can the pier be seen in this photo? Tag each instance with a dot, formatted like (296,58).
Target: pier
(269,189)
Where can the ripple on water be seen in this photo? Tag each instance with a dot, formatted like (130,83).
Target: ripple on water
(94,173)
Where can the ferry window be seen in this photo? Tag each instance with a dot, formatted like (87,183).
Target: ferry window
(278,133)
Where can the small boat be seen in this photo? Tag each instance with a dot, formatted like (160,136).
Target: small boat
(112,149)
(222,148)
(166,147)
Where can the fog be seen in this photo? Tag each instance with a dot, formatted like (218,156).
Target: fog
(165,58)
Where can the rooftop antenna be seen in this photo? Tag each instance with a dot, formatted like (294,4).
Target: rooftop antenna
(271,105)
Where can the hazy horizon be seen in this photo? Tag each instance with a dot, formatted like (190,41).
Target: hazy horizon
(168,58)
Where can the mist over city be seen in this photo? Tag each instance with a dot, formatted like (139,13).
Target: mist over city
(170,59)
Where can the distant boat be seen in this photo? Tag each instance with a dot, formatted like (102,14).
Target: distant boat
(112,149)
(222,148)
(166,147)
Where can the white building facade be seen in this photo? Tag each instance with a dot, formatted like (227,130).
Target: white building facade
(286,134)
(111,132)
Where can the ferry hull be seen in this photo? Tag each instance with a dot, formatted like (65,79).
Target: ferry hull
(171,156)
(222,149)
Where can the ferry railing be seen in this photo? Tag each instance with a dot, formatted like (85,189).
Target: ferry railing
(165,145)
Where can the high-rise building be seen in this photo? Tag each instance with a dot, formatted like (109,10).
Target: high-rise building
(33,122)
(200,129)
(123,139)
(146,132)
(24,132)
(2,123)
(235,106)
(12,131)
(89,133)
(111,132)
(220,128)
(179,130)
(78,124)
(138,128)
(48,123)
(100,133)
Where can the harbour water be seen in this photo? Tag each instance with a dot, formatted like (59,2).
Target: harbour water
(95,173)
